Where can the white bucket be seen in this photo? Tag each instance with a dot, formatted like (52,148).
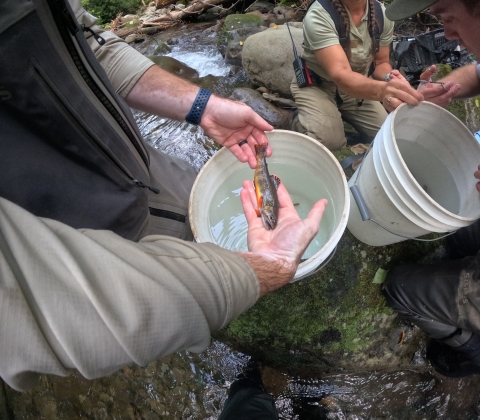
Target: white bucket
(418,177)
(308,170)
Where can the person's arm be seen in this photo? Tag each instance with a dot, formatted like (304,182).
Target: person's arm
(334,60)
(225,121)
(382,63)
(147,87)
(93,301)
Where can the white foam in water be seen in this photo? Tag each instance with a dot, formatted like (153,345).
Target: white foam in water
(431,174)
(205,62)
(227,220)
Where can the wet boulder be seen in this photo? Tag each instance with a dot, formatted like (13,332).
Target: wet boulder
(267,58)
(277,117)
(174,66)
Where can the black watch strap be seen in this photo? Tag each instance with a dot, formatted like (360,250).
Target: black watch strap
(196,111)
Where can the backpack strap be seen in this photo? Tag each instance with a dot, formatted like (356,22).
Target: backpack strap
(340,27)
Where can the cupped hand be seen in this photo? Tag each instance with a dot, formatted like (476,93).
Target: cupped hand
(477,175)
(289,240)
(397,91)
(229,122)
(440,94)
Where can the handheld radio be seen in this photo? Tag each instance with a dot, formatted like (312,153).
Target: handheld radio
(299,66)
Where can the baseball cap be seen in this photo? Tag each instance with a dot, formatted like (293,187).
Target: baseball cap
(402,9)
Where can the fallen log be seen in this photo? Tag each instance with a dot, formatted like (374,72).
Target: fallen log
(197,8)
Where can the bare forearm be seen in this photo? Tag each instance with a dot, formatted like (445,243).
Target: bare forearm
(468,80)
(161,93)
(272,273)
(359,86)
(381,70)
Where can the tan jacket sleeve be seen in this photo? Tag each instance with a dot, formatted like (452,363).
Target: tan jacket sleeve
(122,63)
(93,301)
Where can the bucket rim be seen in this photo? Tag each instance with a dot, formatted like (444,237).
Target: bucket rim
(405,167)
(303,269)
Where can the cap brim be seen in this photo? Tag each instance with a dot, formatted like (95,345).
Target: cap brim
(402,9)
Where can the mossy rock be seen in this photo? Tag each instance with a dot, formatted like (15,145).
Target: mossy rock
(236,26)
(336,319)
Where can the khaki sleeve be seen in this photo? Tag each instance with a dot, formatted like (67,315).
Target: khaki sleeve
(122,63)
(386,37)
(318,29)
(93,301)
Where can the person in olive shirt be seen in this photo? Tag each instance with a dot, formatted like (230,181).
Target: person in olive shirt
(342,87)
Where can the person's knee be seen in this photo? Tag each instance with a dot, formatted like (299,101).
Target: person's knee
(332,137)
(395,290)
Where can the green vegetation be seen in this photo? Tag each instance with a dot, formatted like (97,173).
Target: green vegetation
(107,10)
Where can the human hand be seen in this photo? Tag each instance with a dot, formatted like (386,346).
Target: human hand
(397,91)
(440,94)
(477,175)
(229,122)
(289,240)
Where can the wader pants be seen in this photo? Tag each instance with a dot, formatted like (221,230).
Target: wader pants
(442,299)
(248,401)
(321,117)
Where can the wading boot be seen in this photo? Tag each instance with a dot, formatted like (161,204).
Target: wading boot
(455,362)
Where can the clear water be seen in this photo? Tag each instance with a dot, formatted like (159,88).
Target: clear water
(227,220)
(431,174)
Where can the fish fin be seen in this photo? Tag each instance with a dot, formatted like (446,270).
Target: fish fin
(259,203)
(276,180)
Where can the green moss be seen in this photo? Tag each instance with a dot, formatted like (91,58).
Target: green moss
(239,21)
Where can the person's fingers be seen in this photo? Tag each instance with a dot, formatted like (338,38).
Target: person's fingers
(260,125)
(247,196)
(239,153)
(476,174)
(316,212)
(429,72)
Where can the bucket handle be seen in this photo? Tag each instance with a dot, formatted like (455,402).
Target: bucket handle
(323,264)
(362,206)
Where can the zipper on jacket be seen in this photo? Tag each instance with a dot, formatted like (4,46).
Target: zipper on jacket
(60,12)
(140,184)
(97,37)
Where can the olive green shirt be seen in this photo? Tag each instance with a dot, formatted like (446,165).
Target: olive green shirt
(319,32)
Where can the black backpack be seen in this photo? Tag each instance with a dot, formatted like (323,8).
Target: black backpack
(69,147)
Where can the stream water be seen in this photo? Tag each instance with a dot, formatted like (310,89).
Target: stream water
(190,386)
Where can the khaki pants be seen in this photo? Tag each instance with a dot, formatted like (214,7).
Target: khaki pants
(320,118)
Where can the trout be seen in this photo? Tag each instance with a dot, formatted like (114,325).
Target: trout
(265,189)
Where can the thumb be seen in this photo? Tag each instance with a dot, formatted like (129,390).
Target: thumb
(429,72)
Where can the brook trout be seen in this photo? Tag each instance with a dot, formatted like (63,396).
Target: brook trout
(265,189)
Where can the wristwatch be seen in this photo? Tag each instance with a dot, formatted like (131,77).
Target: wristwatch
(196,111)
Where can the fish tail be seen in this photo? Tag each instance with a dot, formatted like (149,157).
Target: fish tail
(261,149)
